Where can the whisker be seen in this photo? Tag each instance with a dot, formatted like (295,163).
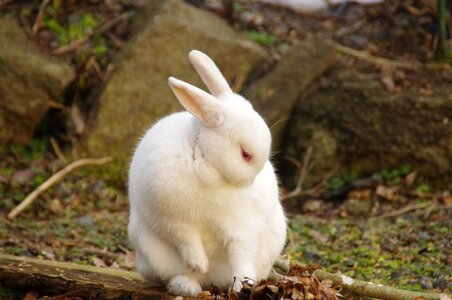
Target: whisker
(283,120)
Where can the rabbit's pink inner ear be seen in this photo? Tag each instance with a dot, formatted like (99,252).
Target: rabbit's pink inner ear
(209,73)
(200,104)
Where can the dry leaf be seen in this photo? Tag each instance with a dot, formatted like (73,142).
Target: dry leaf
(273,288)
(31,295)
(23,176)
(297,294)
(364,195)
(313,205)
(388,83)
(55,206)
(99,262)
(129,259)
(387,193)
(409,179)
(48,253)
(447,200)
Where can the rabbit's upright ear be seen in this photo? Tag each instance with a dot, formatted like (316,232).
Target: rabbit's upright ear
(209,73)
(200,104)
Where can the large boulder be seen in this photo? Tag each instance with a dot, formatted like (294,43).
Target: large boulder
(29,80)
(277,93)
(137,94)
(352,123)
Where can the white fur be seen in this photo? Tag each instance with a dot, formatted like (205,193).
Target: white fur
(201,214)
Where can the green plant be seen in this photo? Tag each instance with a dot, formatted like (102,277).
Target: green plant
(100,50)
(423,188)
(71,32)
(10,294)
(25,12)
(51,10)
(238,7)
(339,182)
(34,149)
(262,37)
(55,27)
(442,50)
(395,175)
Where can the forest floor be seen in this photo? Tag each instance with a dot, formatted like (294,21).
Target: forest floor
(395,231)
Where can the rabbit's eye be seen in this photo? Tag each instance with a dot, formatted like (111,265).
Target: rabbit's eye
(246,156)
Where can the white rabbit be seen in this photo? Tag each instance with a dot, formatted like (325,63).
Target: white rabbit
(203,194)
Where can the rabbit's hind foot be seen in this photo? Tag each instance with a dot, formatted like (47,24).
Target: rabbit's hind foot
(184,285)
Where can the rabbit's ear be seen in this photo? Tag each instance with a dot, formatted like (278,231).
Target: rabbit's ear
(200,104)
(209,73)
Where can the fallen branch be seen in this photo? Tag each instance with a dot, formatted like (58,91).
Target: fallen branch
(55,178)
(96,282)
(410,65)
(88,282)
(378,291)
(366,289)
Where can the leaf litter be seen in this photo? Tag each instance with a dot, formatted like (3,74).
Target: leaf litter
(298,284)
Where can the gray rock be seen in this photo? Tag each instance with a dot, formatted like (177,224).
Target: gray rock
(137,93)
(353,123)
(28,81)
(277,93)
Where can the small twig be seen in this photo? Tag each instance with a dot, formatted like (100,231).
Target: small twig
(350,29)
(99,30)
(403,210)
(303,172)
(56,148)
(102,253)
(293,160)
(319,187)
(92,62)
(238,84)
(430,209)
(40,15)
(58,176)
(410,65)
(369,289)
(116,40)
(56,105)
(25,25)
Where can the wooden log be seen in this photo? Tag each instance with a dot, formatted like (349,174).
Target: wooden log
(62,278)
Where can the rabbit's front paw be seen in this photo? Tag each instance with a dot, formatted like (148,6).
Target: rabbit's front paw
(195,259)
(184,286)
(249,278)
